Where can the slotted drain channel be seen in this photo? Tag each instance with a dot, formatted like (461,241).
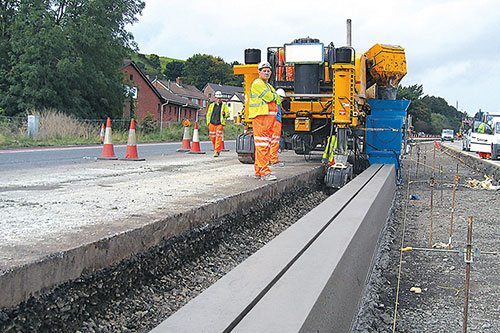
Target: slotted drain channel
(309,278)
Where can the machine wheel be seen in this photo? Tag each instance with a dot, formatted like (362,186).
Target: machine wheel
(337,177)
(246,158)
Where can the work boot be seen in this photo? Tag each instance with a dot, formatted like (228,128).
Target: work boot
(269,177)
(216,153)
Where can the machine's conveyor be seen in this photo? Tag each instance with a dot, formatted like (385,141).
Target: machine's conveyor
(310,278)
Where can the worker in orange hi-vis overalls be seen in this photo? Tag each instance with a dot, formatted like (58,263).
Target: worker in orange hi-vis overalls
(263,108)
(216,119)
(275,140)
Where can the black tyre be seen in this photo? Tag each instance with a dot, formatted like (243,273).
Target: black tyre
(494,156)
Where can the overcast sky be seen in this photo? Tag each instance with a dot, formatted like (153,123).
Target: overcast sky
(452,47)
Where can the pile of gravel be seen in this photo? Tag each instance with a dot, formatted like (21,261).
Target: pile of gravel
(139,293)
(440,275)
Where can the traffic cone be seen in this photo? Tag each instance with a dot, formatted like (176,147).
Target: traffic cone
(222,144)
(108,152)
(186,139)
(131,153)
(195,147)
(437,145)
(101,135)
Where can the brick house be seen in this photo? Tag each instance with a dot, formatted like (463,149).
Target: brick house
(232,95)
(189,93)
(145,100)
(227,91)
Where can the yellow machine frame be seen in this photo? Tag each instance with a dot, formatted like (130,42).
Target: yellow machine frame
(385,63)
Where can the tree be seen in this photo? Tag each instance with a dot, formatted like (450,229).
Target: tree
(412,93)
(173,70)
(7,16)
(203,68)
(430,114)
(438,122)
(154,60)
(66,55)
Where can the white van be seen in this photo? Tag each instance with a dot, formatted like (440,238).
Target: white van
(447,135)
(481,137)
(495,142)
(485,138)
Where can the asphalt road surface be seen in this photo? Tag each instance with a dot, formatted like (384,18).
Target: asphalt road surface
(26,158)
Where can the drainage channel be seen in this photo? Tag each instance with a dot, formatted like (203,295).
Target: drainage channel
(310,277)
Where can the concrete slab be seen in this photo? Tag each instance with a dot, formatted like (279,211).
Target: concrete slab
(321,291)
(220,307)
(59,222)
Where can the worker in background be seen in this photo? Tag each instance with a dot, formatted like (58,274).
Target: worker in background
(481,128)
(263,108)
(328,154)
(216,119)
(276,138)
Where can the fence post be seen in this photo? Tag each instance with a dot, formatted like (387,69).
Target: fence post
(33,124)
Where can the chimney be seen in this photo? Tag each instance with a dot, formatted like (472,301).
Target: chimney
(178,81)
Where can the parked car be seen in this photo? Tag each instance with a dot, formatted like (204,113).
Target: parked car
(466,140)
(447,135)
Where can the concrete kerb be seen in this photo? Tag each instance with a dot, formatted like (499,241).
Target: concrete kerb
(37,278)
(218,309)
(481,165)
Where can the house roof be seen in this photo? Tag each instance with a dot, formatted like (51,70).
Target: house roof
(240,96)
(227,90)
(175,99)
(184,90)
(144,77)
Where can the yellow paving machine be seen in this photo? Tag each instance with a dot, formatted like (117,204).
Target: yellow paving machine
(330,95)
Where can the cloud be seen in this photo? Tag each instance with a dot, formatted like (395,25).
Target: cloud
(450,44)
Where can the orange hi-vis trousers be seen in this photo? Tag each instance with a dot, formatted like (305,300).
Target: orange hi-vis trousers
(262,133)
(275,141)
(215,134)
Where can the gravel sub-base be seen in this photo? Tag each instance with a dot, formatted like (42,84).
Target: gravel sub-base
(138,294)
(440,275)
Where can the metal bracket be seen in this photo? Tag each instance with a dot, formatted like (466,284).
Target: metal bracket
(475,253)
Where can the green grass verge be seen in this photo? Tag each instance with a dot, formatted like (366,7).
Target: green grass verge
(173,133)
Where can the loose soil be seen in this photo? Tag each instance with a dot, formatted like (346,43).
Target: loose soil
(440,275)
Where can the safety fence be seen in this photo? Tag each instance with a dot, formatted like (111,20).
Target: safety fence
(63,125)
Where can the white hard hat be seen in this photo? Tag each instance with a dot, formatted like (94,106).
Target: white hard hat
(218,94)
(264,64)
(281,92)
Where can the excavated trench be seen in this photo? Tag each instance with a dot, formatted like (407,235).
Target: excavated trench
(139,293)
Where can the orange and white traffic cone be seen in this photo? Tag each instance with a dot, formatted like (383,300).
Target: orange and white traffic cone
(437,145)
(195,147)
(108,152)
(131,153)
(101,135)
(222,144)
(186,139)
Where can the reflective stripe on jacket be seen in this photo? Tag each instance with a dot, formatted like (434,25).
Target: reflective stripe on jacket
(224,113)
(261,94)
(328,155)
